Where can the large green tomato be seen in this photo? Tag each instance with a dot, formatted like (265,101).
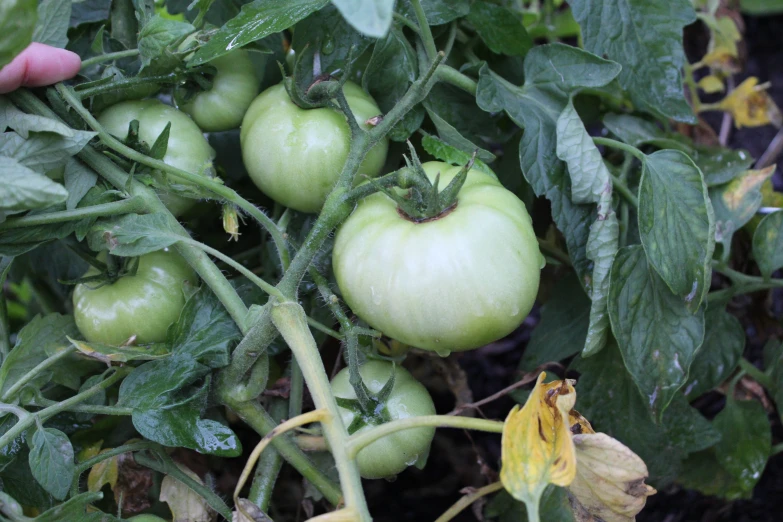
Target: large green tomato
(234,86)
(146,518)
(294,155)
(393,453)
(187,148)
(456,282)
(143,305)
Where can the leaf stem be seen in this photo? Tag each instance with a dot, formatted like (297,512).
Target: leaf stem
(127,83)
(608,142)
(51,411)
(424,29)
(35,371)
(89,62)
(759,376)
(268,466)
(450,75)
(620,186)
(459,506)
(554,251)
(365,438)
(81,467)
(131,205)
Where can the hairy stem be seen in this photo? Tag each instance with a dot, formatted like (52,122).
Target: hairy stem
(268,465)
(424,29)
(125,206)
(89,62)
(35,371)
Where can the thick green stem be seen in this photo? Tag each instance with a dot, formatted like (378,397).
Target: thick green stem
(424,29)
(291,321)
(89,62)
(127,83)
(257,418)
(268,465)
(213,186)
(35,371)
(162,463)
(23,424)
(450,75)
(365,438)
(5,334)
(125,206)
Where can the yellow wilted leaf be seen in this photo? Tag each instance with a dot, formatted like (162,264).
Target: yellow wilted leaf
(104,472)
(579,424)
(750,105)
(537,449)
(89,451)
(722,51)
(185,504)
(609,483)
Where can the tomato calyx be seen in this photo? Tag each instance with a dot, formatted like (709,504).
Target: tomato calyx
(369,409)
(110,271)
(424,202)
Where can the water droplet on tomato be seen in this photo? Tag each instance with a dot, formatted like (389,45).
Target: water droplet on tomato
(443,352)
(328,46)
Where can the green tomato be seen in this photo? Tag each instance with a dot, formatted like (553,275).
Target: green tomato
(393,453)
(143,305)
(294,155)
(187,148)
(146,518)
(456,282)
(234,87)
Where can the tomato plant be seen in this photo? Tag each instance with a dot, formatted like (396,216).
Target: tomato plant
(139,306)
(258,251)
(406,398)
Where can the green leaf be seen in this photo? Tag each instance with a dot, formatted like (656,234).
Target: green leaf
(75,508)
(53,21)
(109,354)
(51,461)
(736,202)
(9,452)
(761,7)
(768,243)
(23,123)
(610,399)
(151,385)
(39,337)
(702,471)
(157,35)
(553,72)
(445,152)
(205,331)
(255,21)
(43,151)
(452,137)
(658,336)
(78,180)
(745,444)
(327,33)
(646,39)
(17,23)
(370,17)
(25,189)
(500,28)
(591,183)
(133,234)
(554,507)
(392,68)
(720,165)
(437,12)
(724,342)
(633,130)
(18,481)
(562,330)
(89,11)
(677,224)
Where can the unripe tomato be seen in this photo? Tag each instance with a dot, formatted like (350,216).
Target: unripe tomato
(393,453)
(187,148)
(142,305)
(234,86)
(456,282)
(146,518)
(294,155)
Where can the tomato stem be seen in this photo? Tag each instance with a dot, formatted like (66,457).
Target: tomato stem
(424,29)
(131,205)
(107,57)
(269,464)
(459,506)
(357,442)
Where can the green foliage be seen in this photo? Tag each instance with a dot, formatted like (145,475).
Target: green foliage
(17,23)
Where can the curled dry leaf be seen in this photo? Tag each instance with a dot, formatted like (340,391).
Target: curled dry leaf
(609,483)
(248,512)
(185,505)
(537,449)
